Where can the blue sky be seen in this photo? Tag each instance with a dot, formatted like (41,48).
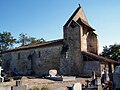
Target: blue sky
(45,18)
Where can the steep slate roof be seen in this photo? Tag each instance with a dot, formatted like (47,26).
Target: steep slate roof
(44,44)
(80,19)
(97,57)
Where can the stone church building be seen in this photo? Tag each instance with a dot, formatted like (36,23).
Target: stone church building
(75,54)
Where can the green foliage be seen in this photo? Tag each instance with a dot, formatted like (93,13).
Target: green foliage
(24,39)
(37,88)
(112,52)
(44,88)
(6,41)
(33,40)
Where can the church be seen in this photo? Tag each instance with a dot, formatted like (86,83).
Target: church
(74,55)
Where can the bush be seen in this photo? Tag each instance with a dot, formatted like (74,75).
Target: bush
(44,88)
(36,88)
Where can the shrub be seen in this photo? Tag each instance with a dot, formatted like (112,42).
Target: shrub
(36,88)
(44,88)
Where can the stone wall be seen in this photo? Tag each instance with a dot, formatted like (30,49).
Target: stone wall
(92,43)
(116,81)
(78,38)
(49,59)
(90,66)
(66,58)
(89,40)
(37,61)
(84,35)
(71,61)
(6,60)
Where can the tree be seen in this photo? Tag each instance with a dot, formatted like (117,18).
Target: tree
(112,52)
(6,41)
(23,39)
(34,40)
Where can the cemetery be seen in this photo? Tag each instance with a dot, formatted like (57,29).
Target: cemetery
(56,82)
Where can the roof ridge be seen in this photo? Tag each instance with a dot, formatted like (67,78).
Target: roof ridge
(72,16)
(99,57)
(58,41)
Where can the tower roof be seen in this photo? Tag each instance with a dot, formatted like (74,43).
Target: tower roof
(78,15)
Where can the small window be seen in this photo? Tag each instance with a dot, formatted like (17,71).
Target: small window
(30,57)
(18,55)
(39,54)
(66,56)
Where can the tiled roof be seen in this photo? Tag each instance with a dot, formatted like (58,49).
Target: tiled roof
(70,19)
(49,43)
(81,20)
(97,57)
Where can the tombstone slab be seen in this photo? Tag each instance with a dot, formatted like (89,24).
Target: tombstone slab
(68,78)
(77,86)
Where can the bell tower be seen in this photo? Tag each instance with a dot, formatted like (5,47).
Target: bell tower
(75,31)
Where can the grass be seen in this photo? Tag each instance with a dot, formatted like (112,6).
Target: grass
(44,88)
(35,88)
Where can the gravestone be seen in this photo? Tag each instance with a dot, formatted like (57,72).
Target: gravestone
(68,78)
(1,78)
(98,81)
(18,83)
(0,70)
(116,78)
(77,86)
(5,87)
(22,87)
(19,86)
(52,73)
(53,76)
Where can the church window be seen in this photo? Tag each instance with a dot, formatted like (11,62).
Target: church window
(18,55)
(64,51)
(30,57)
(66,56)
(39,54)
(65,48)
